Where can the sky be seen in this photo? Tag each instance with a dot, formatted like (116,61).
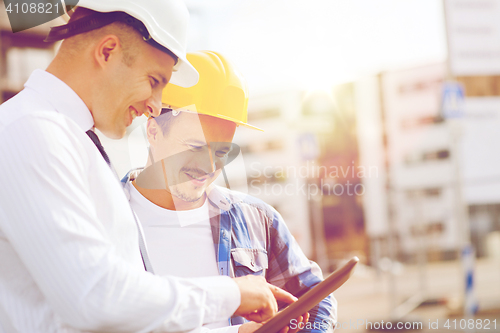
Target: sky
(314,44)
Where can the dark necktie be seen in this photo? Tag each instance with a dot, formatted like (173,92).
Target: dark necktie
(142,246)
(97,142)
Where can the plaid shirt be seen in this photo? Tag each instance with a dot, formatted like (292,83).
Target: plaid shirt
(250,237)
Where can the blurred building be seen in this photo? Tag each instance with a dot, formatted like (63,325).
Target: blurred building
(426,180)
(341,179)
(21,53)
(305,164)
(421,174)
(430,166)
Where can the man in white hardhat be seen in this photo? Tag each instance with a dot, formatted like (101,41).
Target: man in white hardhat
(194,228)
(72,258)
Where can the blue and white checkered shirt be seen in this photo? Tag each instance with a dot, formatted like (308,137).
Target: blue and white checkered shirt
(250,237)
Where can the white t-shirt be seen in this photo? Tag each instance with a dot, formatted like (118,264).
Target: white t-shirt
(179,243)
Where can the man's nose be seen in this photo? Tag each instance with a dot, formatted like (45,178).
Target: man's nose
(213,165)
(154,103)
(207,162)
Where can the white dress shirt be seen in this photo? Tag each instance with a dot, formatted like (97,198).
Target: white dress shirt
(69,253)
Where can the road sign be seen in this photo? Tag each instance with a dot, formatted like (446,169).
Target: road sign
(308,146)
(453,100)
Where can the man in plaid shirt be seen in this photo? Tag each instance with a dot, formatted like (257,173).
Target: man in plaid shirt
(195,228)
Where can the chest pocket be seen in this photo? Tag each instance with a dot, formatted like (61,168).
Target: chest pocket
(249,261)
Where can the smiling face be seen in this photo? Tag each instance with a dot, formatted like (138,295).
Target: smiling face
(195,148)
(130,89)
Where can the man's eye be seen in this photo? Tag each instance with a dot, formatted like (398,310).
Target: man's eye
(195,148)
(154,82)
(221,153)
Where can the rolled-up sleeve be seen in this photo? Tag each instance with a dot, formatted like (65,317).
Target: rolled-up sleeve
(290,269)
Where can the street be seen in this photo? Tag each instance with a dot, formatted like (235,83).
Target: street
(365,297)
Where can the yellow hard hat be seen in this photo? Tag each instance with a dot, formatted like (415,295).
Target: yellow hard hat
(221,91)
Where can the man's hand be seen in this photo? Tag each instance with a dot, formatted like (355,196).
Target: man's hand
(258,298)
(301,322)
(252,327)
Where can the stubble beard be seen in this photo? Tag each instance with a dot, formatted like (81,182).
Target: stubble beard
(185,194)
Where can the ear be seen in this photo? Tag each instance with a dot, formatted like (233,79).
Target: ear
(153,131)
(108,48)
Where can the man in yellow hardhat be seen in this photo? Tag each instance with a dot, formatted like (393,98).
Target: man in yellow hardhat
(194,228)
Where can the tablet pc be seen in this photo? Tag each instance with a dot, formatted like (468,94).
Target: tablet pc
(307,301)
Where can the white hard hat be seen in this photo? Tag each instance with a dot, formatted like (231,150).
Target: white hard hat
(166,22)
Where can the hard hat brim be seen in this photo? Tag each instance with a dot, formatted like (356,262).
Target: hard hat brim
(184,74)
(237,122)
(220,116)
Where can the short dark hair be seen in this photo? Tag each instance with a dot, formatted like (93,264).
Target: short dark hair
(166,119)
(88,22)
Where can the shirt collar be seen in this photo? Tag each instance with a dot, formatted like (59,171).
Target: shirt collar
(62,97)
(218,199)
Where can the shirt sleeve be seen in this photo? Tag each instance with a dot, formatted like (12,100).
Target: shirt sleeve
(50,220)
(290,269)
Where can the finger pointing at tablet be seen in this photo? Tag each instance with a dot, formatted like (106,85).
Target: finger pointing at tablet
(282,295)
(258,298)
